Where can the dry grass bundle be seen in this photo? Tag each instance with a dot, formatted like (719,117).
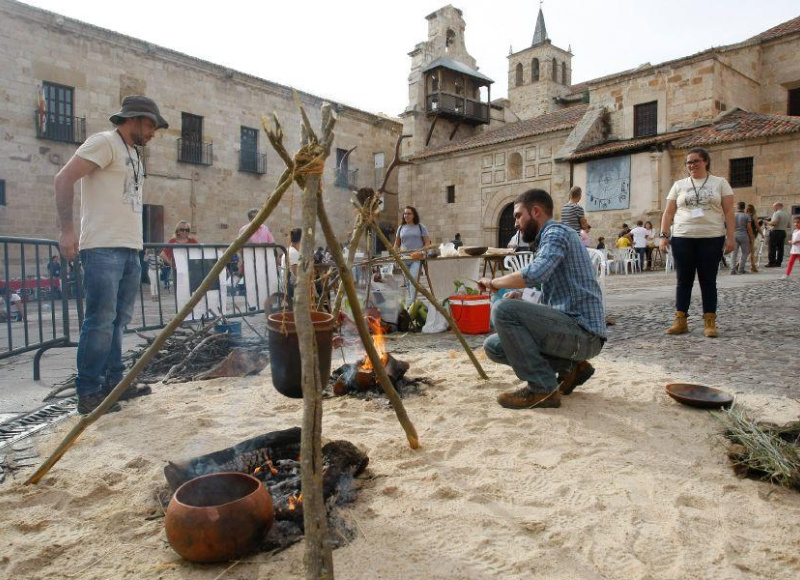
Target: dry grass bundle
(762,450)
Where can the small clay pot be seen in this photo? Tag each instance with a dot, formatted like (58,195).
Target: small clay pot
(219,517)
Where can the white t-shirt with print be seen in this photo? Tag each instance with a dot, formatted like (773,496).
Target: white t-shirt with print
(639,237)
(111,205)
(795,242)
(699,213)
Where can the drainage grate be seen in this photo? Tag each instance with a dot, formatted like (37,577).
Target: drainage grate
(25,426)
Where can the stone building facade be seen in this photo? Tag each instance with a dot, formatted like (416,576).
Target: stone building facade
(741,101)
(211,165)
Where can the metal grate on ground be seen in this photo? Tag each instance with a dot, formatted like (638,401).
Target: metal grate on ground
(25,426)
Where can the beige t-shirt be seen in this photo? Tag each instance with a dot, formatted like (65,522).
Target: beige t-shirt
(111,204)
(699,202)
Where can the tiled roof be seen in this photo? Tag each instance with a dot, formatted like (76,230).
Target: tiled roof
(627,145)
(558,121)
(458,67)
(740,125)
(782,29)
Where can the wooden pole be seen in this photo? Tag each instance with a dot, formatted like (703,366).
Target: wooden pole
(318,556)
(284,182)
(432,299)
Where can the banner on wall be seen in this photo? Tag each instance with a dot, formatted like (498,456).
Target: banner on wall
(608,184)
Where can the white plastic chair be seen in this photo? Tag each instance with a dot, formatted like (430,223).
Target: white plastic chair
(598,261)
(628,257)
(517,261)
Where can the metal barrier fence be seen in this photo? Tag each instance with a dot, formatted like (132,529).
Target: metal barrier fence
(41,294)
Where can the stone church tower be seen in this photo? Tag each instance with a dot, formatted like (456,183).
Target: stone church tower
(539,75)
(448,98)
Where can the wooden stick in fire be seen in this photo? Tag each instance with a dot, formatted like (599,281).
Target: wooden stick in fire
(318,556)
(276,138)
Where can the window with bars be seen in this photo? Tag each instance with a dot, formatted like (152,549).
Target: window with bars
(794,103)
(741,172)
(451,194)
(645,119)
(2,192)
(55,115)
(250,160)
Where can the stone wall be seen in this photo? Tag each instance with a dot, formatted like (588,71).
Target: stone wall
(103,67)
(780,71)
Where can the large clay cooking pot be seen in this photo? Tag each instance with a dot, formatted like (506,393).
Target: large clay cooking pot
(284,351)
(219,517)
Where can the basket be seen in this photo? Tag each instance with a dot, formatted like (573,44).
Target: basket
(471,313)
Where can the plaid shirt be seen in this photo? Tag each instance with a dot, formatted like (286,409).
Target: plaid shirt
(563,267)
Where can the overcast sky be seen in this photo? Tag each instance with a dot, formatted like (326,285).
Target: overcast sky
(357,52)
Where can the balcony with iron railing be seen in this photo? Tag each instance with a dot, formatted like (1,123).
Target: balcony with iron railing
(59,127)
(253,162)
(195,152)
(457,107)
(346,178)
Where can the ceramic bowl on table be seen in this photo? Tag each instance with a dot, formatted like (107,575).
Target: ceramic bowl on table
(475,250)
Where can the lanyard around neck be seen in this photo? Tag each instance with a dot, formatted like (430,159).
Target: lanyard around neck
(137,169)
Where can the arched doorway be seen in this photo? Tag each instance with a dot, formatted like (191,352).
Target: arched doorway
(505,226)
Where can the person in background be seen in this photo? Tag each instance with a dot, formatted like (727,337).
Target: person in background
(293,254)
(572,214)
(743,235)
(456,241)
(794,250)
(16,308)
(182,236)
(412,235)
(777,236)
(623,241)
(54,270)
(518,244)
(262,235)
(751,211)
(601,243)
(701,207)
(154,263)
(584,234)
(639,235)
(648,226)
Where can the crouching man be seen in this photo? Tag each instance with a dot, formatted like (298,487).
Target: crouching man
(547,344)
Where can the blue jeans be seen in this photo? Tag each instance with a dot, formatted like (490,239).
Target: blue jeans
(111,278)
(414,269)
(700,256)
(538,341)
(641,253)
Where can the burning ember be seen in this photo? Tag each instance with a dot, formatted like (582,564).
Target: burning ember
(295,501)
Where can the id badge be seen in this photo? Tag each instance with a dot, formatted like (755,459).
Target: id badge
(697,212)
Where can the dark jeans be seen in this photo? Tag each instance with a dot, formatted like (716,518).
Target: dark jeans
(701,256)
(538,341)
(776,240)
(641,253)
(111,278)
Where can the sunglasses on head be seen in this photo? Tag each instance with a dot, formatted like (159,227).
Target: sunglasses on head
(183,230)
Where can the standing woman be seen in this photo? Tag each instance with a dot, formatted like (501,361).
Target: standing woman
(751,211)
(412,235)
(701,206)
(182,236)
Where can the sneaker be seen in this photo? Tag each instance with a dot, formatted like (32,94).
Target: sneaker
(524,398)
(581,373)
(88,403)
(130,393)
(784,277)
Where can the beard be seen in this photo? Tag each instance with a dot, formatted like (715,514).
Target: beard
(530,232)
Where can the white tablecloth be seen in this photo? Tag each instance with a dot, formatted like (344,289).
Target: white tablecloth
(444,271)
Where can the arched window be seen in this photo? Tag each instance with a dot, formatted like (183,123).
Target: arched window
(515,166)
(505,226)
(450,38)
(519,75)
(535,70)
(555,71)
(564,73)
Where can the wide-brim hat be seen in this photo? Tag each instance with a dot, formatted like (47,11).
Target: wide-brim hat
(139,106)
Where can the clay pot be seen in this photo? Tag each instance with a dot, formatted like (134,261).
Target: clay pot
(219,517)
(284,351)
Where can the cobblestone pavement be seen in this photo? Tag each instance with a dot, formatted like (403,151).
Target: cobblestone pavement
(759,345)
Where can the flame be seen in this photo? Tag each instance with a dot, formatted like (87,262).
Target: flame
(257,471)
(378,340)
(295,501)
(268,464)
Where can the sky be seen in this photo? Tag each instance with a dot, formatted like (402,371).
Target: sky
(356,52)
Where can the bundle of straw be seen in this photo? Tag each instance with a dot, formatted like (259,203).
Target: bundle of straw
(761,450)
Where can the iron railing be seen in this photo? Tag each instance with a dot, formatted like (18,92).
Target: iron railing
(59,127)
(195,152)
(253,162)
(457,106)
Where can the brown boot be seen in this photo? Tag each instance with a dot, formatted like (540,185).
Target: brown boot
(710,321)
(582,372)
(524,398)
(679,326)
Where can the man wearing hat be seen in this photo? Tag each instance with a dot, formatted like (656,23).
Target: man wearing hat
(110,168)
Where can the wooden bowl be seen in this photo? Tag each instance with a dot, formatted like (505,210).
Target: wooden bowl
(699,396)
(475,250)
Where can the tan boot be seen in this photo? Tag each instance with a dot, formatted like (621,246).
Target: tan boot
(679,326)
(710,321)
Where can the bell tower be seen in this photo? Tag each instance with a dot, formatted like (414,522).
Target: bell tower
(538,75)
(448,99)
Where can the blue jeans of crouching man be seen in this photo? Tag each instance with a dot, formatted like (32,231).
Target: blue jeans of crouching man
(538,341)
(111,278)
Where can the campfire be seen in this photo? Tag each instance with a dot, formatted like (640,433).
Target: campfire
(274,459)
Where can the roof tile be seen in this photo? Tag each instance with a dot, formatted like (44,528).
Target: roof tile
(739,126)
